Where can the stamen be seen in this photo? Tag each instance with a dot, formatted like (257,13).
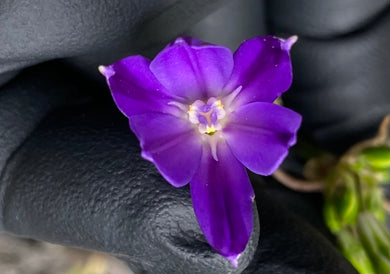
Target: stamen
(181,106)
(229,98)
(213,142)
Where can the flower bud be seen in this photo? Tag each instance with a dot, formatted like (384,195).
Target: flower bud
(373,202)
(376,241)
(331,218)
(341,203)
(377,157)
(354,251)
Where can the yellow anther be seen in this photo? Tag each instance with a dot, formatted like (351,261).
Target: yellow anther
(210,130)
(219,104)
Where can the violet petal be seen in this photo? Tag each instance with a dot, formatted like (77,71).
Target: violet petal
(171,143)
(134,88)
(262,66)
(260,134)
(191,41)
(193,72)
(222,197)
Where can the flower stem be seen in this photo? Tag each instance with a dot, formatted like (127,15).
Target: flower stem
(296,184)
(386,205)
(380,139)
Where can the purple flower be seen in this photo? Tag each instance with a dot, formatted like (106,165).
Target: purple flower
(202,115)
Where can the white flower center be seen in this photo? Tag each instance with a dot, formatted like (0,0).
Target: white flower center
(207,115)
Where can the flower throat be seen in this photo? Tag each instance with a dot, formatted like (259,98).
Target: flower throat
(207,115)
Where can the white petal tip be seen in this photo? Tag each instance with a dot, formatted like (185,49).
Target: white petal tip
(233,260)
(106,71)
(289,42)
(253,198)
(101,69)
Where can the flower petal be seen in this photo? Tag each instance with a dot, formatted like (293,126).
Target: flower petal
(169,142)
(260,134)
(134,88)
(193,72)
(262,66)
(222,197)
